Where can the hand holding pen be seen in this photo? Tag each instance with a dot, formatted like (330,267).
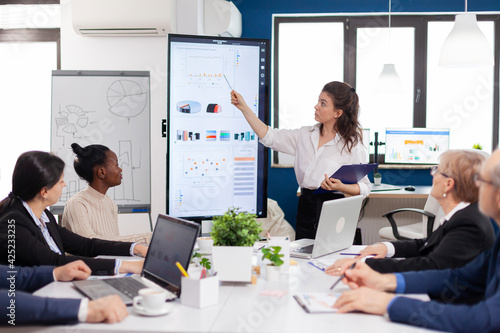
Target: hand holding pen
(342,276)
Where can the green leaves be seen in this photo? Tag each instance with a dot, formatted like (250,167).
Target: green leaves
(235,228)
(272,253)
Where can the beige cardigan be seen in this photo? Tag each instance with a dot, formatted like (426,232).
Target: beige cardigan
(92,214)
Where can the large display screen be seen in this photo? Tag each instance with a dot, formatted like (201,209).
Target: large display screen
(214,159)
(415,145)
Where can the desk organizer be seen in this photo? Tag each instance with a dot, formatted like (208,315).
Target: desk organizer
(200,293)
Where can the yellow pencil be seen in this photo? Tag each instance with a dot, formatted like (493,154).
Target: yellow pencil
(183,271)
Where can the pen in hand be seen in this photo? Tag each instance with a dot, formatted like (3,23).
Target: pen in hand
(342,276)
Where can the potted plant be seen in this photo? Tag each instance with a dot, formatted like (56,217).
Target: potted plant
(477,146)
(274,256)
(377,178)
(234,235)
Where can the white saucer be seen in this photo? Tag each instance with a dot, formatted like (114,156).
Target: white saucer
(158,312)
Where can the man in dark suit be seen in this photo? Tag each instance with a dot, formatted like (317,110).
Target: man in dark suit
(19,307)
(477,283)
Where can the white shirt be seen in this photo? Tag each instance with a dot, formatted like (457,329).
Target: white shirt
(312,163)
(391,250)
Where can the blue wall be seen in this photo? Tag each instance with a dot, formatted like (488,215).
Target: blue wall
(257,23)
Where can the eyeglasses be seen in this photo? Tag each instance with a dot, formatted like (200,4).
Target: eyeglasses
(478,180)
(435,170)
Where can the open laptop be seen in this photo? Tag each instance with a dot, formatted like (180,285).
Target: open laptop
(336,229)
(173,240)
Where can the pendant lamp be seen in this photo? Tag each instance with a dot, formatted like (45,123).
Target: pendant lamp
(466,45)
(389,81)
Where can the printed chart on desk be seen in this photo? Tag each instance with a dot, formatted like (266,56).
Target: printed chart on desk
(215,160)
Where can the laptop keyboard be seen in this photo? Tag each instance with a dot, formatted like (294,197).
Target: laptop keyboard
(306,249)
(127,285)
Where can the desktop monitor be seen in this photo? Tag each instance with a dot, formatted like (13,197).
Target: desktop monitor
(214,158)
(415,145)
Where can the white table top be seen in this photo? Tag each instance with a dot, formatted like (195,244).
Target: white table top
(241,308)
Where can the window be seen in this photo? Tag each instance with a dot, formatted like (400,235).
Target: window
(28,57)
(463,100)
(305,65)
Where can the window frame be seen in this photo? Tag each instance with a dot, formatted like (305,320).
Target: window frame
(419,21)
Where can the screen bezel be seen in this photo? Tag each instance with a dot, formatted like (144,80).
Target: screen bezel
(169,285)
(262,151)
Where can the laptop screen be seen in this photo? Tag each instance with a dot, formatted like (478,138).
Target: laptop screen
(173,240)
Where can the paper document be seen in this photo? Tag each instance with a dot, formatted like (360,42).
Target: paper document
(317,302)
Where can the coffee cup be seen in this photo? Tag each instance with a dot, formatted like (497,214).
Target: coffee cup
(205,244)
(150,299)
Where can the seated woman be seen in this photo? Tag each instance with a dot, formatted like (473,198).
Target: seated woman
(463,234)
(91,213)
(29,228)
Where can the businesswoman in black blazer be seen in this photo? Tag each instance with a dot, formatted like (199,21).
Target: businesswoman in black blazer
(463,234)
(29,233)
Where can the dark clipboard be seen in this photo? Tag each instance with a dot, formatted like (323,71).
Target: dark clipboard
(350,174)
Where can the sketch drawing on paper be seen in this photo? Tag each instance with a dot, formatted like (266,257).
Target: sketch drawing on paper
(126,98)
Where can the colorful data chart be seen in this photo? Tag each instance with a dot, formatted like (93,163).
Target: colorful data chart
(225,135)
(188,107)
(214,108)
(244,136)
(211,135)
(185,135)
(244,176)
(204,166)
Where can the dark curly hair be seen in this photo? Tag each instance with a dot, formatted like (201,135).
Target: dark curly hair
(344,97)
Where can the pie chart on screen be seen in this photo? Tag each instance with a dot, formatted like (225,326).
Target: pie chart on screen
(126,98)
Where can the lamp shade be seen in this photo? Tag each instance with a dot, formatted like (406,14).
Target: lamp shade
(466,45)
(389,81)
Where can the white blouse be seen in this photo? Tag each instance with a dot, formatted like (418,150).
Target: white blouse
(312,163)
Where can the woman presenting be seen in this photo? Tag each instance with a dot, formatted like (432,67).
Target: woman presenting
(319,150)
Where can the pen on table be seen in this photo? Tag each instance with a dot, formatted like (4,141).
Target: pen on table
(228,82)
(341,277)
(349,254)
(183,271)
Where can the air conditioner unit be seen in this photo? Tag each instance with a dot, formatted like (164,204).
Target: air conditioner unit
(222,18)
(123,17)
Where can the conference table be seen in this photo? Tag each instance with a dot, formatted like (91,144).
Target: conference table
(242,307)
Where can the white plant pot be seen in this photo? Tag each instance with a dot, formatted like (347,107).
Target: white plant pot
(233,263)
(377,180)
(273,273)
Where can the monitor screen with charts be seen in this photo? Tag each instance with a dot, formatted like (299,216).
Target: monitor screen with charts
(415,145)
(214,158)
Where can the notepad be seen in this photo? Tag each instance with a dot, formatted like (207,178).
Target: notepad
(350,174)
(317,302)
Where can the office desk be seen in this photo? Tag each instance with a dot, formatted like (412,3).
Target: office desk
(421,192)
(241,308)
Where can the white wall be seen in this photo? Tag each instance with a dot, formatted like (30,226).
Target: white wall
(126,53)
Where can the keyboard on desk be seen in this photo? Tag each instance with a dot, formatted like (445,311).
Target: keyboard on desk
(305,249)
(127,285)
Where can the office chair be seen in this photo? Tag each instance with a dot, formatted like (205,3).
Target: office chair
(431,215)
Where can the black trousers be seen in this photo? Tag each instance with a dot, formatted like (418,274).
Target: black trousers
(309,210)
